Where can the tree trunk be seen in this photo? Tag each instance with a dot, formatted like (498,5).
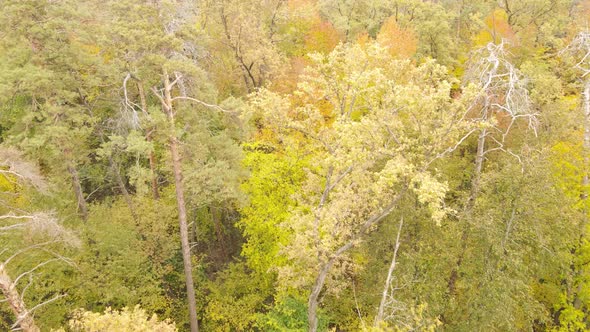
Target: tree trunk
(176,163)
(379,317)
(586,144)
(123,188)
(82,208)
(327,265)
(312,304)
(148,138)
(585,181)
(481,143)
(475,183)
(17,305)
(217,218)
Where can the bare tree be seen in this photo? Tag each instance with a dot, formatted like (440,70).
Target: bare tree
(168,107)
(500,100)
(36,225)
(165,97)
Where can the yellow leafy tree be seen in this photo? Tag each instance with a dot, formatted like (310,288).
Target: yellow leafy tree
(126,320)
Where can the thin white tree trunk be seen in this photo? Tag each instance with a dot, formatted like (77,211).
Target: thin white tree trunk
(325,266)
(586,144)
(379,317)
(312,304)
(585,181)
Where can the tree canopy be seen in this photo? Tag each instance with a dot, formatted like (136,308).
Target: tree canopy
(294,165)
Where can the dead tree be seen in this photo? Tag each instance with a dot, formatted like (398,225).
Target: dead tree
(500,100)
(42,225)
(168,101)
(9,287)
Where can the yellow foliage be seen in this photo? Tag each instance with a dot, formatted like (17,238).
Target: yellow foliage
(126,320)
(567,164)
(7,184)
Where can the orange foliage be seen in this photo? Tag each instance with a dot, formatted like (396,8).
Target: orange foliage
(296,4)
(497,28)
(288,82)
(363,38)
(401,42)
(581,19)
(322,37)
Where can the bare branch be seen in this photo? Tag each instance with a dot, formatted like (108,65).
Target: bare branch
(22,294)
(17,166)
(161,98)
(375,218)
(341,177)
(454,147)
(55,298)
(21,251)
(580,45)
(176,80)
(30,312)
(217,107)
(15,282)
(129,105)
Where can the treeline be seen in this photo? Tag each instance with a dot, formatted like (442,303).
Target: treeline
(292,165)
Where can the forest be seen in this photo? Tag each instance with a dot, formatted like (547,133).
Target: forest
(294,165)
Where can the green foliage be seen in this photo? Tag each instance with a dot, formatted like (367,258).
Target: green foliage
(314,127)
(287,314)
(236,297)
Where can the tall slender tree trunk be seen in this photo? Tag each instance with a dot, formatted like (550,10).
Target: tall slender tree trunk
(217,218)
(16,303)
(585,181)
(184,239)
(475,184)
(586,143)
(388,280)
(123,188)
(120,182)
(326,265)
(77,186)
(481,143)
(312,304)
(148,138)
(82,208)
